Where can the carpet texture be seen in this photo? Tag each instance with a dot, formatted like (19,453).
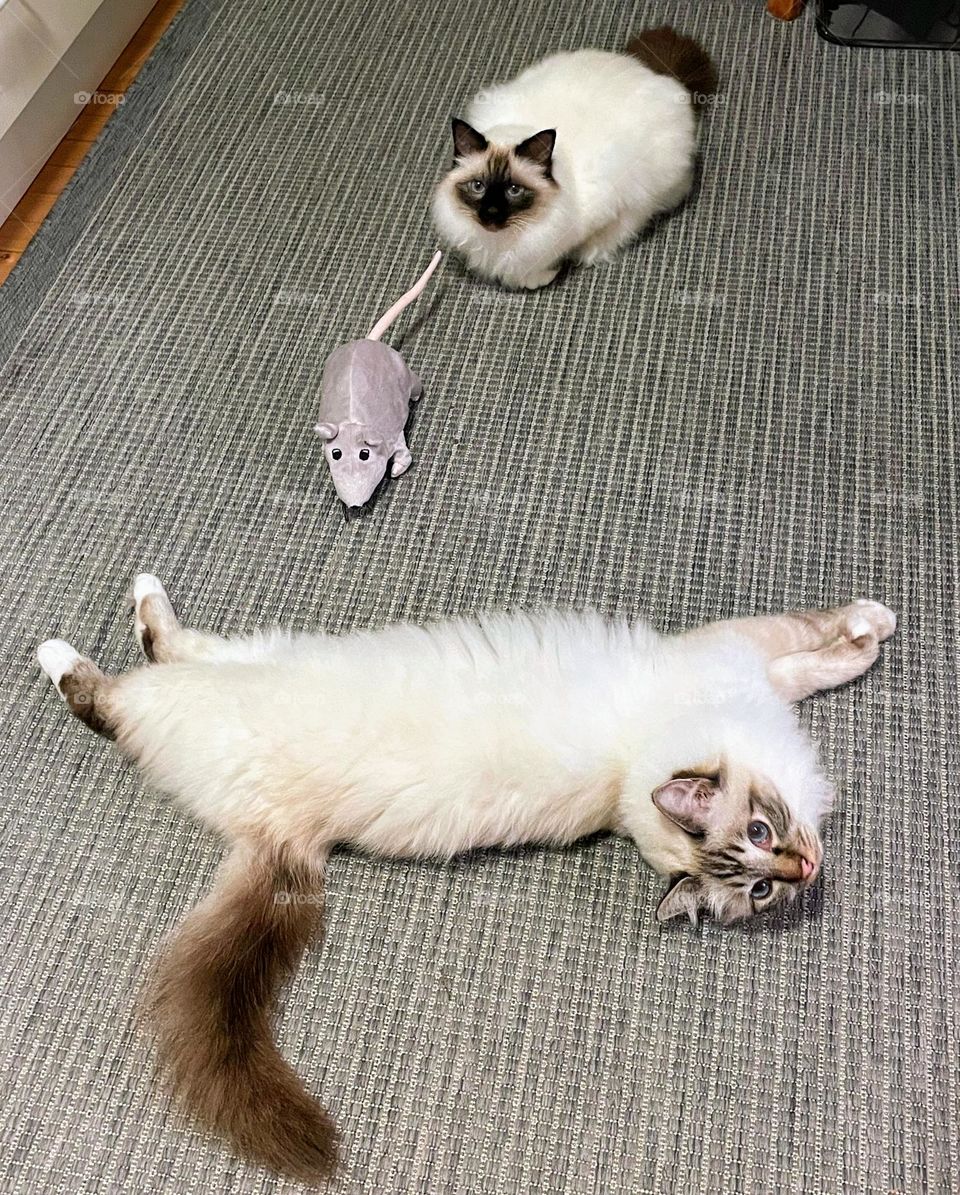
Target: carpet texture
(754,408)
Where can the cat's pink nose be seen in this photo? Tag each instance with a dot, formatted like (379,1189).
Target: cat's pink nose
(806,868)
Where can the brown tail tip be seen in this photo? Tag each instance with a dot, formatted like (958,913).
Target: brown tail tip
(209,1003)
(263,1111)
(667,52)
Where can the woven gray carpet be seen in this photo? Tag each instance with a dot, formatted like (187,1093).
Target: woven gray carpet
(755,408)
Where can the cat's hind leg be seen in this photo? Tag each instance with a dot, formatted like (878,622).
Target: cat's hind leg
(81,684)
(603,244)
(158,630)
(851,638)
(802,673)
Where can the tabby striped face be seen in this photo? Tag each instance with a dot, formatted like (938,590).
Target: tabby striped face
(750,853)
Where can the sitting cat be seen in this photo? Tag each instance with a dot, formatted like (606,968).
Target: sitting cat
(573,157)
(417,741)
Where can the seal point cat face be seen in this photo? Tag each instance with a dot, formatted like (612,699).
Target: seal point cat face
(750,852)
(501,186)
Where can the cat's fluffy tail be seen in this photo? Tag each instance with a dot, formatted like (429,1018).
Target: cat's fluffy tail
(209,1004)
(670,53)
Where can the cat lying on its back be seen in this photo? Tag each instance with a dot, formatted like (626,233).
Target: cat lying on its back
(573,157)
(426,741)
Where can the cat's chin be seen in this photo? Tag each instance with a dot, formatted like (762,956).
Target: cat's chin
(501,238)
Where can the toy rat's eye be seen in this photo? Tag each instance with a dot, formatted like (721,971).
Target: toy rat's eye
(364,454)
(336,454)
(476,185)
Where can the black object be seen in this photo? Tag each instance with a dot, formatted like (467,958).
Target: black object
(904,24)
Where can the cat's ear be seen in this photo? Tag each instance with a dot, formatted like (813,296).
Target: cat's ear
(688,801)
(538,148)
(682,899)
(466,139)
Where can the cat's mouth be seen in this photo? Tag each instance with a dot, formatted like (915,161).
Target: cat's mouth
(800,869)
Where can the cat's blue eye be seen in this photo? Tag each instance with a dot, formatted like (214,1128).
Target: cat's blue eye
(759,833)
(513,190)
(761,889)
(476,185)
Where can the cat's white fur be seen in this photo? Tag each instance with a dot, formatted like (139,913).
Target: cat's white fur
(433,740)
(626,141)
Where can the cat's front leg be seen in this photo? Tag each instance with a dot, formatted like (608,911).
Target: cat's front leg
(519,277)
(539,278)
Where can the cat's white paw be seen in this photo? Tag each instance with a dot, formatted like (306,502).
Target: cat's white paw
(144,584)
(592,255)
(544,278)
(880,619)
(158,614)
(56,657)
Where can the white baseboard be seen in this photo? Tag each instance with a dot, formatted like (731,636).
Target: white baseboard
(52,53)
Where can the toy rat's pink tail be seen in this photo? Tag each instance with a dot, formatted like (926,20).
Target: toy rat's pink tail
(414,292)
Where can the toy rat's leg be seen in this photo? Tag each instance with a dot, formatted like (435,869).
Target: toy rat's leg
(402,458)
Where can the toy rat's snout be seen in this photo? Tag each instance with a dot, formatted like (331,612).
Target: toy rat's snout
(357,463)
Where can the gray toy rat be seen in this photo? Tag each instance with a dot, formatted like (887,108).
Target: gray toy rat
(365,397)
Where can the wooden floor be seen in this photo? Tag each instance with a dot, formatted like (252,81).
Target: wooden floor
(18,229)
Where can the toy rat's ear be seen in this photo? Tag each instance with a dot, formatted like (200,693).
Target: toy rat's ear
(373,443)
(326,431)
(466,139)
(538,148)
